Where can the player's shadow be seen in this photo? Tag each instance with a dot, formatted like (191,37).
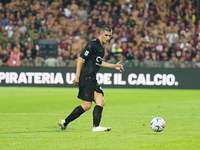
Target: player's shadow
(71,129)
(156,133)
(24,132)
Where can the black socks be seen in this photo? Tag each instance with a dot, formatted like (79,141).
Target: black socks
(79,111)
(75,114)
(97,115)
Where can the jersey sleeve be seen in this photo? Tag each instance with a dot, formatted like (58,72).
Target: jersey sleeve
(88,50)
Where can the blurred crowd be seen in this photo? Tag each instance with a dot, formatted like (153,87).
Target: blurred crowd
(144,32)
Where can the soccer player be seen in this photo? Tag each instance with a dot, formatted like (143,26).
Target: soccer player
(89,90)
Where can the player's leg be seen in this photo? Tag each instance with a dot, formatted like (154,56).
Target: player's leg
(79,110)
(97,112)
(86,95)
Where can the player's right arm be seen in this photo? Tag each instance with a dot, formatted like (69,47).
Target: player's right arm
(85,54)
(78,70)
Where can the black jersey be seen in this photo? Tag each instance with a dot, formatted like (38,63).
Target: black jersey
(93,54)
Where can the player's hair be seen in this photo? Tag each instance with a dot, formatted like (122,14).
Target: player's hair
(106,28)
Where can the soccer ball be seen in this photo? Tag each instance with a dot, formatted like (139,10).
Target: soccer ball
(157,124)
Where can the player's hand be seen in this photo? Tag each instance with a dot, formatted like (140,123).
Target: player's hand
(118,66)
(76,80)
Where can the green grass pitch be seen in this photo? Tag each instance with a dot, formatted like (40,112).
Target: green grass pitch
(29,116)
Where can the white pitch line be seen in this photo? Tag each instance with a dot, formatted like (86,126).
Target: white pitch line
(23,114)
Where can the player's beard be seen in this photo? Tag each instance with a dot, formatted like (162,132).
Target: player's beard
(106,41)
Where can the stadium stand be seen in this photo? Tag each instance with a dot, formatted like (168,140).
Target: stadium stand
(156,33)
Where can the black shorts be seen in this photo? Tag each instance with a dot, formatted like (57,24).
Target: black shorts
(87,87)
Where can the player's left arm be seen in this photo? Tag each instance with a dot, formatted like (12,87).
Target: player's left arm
(117,66)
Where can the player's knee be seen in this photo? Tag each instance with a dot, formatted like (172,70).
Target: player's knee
(101,103)
(86,106)
(89,106)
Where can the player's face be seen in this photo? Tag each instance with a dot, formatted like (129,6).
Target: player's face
(106,36)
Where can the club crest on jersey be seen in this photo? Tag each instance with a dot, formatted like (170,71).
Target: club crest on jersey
(86,53)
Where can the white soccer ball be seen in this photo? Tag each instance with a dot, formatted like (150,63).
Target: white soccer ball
(157,124)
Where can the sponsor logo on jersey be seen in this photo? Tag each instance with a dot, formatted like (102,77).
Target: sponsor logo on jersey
(86,53)
(99,59)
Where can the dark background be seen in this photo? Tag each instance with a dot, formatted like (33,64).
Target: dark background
(187,78)
(5,1)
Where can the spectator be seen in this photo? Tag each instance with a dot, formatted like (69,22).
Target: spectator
(124,48)
(17,18)
(4,39)
(5,21)
(181,31)
(141,3)
(4,57)
(27,38)
(184,44)
(141,51)
(74,6)
(163,12)
(124,36)
(59,58)
(31,31)
(10,29)
(177,50)
(140,22)
(188,54)
(67,11)
(161,25)
(114,14)
(129,54)
(82,33)
(36,37)
(172,16)
(50,62)
(190,16)
(29,19)
(22,27)
(88,7)
(172,25)
(28,59)
(131,26)
(42,28)
(15,57)
(147,47)
(178,22)
(116,51)
(172,36)
(173,58)
(64,43)
(147,56)
(66,58)
(160,46)
(188,33)
(139,38)
(50,19)
(82,13)
(154,56)
(56,26)
(197,59)
(148,37)
(100,22)
(112,60)
(38,21)
(198,48)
